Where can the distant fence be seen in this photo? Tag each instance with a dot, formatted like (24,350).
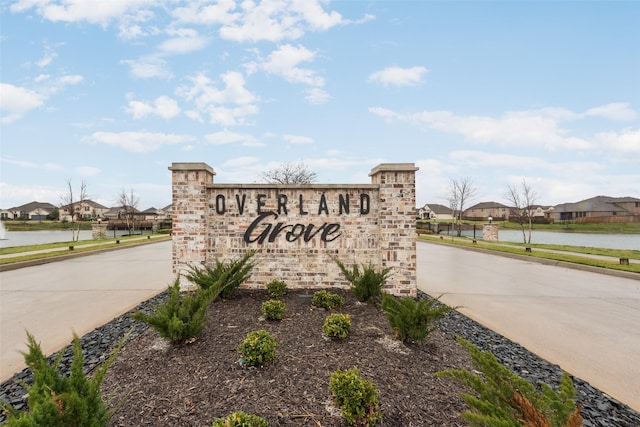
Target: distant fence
(617,219)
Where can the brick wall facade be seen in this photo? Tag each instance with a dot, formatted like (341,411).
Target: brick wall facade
(298,228)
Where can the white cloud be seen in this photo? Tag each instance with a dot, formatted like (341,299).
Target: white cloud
(614,111)
(16,195)
(31,165)
(626,142)
(240,162)
(17,101)
(229,106)
(520,128)
(226,137)
(396,76)
(138,142)
(298,139)
(186,41)
(94,12)
(317,96)
(208,14)
(277,20)
(148,67)
(285,61)
(85,171)
(163,106)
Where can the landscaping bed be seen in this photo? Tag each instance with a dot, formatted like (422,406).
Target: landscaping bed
(194,384)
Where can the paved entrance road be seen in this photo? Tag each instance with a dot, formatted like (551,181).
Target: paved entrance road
(54,300)
(587,323)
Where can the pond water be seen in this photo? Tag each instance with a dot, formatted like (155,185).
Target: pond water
(607,241)
(23,238)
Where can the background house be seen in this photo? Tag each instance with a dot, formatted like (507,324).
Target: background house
(600,207)
(87,209)
(484,210)
(37,211)
(435,211)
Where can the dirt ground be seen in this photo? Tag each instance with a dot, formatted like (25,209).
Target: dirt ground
(191,385)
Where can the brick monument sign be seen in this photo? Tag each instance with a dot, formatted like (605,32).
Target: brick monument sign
(298,228)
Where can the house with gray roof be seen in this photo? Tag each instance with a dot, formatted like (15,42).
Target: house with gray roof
(37,211)
(435,211)
(596,207)
(484,210)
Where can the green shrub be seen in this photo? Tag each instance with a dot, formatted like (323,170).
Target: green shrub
(224,278)
(327,300)
(276,288)
(503,398)
(181,318)
(240,419)
(410,319)
(258,348)
(273,309)
(356,397)
(366,285)
(58,401)
(337,325)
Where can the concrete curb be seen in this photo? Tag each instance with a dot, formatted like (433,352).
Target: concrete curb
(582,267)
(70,254)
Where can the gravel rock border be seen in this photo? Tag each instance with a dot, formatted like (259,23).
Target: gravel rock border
(598,409)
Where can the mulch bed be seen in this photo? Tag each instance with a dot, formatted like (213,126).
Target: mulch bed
(191,385)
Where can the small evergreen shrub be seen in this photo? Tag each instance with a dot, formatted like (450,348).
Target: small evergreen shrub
(366,285)
(240,419)
(224,278)
(276,288)
(503,398)
(273,309)
(356,397)
(58,401)
(337,325)
(181,318)
(258,348)
(410,319)
(327,300)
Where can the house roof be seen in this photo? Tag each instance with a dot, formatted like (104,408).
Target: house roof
(437,209)
(597,204)
(488,205)
(32,206)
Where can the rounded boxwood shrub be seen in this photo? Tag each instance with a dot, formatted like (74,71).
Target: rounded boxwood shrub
(355,396)
(276,288)
(258,348)
(240,419)
(327,300)
(273,309)
(337,325)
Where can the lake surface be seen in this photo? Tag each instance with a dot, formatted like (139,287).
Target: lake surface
(607,241)
(23,238)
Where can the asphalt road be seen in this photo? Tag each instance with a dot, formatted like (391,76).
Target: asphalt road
(587,323)
(54,300)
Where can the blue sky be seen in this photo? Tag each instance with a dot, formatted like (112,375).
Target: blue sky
(112,92)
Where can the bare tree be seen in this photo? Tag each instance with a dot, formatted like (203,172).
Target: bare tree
(289,173)
(129,207)
(522,199)
(72,202)
(461,191)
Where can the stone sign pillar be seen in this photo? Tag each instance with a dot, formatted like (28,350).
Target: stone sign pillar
(490,232)
(397,223)
(98,230)
(189,198)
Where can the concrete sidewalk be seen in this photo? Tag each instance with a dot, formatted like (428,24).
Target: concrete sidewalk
(587,323)
(54,300)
